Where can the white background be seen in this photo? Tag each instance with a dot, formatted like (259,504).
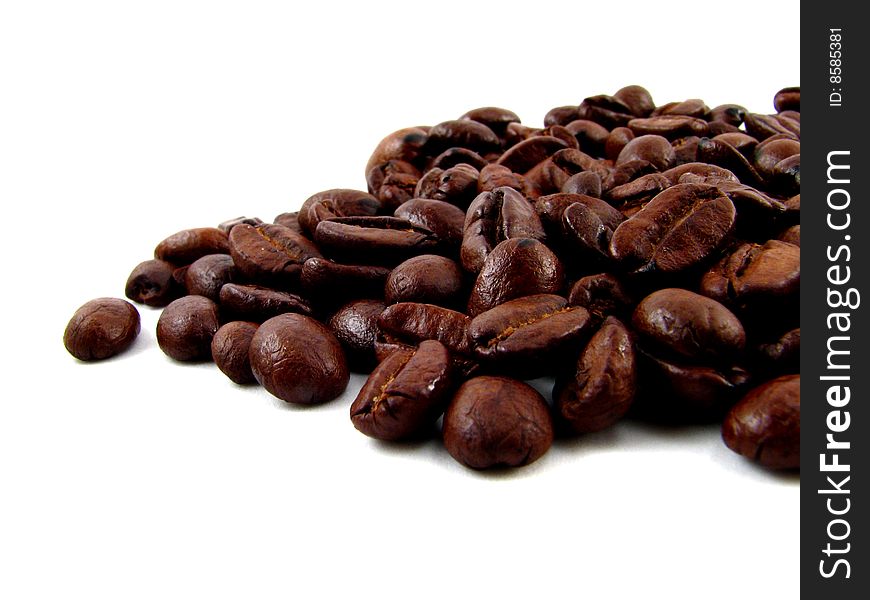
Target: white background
(123,122)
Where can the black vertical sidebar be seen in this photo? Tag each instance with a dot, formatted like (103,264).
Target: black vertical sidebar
(835,367)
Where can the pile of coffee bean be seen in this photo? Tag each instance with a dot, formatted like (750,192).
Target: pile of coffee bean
(647,257)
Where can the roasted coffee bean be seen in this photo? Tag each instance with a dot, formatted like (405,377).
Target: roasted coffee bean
(524,337)
(732,114)
(634,195)
(463,133)
(497,422)
(374,240)
(428,184)
(745,144)
(768,272)
(599,390)
(585,183)
(186,327)
(528,153)
(686,149)
(787,99)
(762,127)
(602,295)
(392,183)
(765,426)
(669,126)
(681,227)
(409,323)
(608,111)
(690,108)
(186,246)
(255,303)
(207,275)
(457,156)
(515,268)
(637,99)
(695,327)
(492,218)
(726,156)
(792,235)
(497,119)
(652,148)
(716,128)
(443,219)
(783,354)
(786,176)
(101,328)
(151,283)
(616,141)
(270,254)
(289,220)
(456,185)
(298,360)
(405,144)
(561,115)
(627,171)
(494,176)
(336,203)
(588,226)
(405,393)
(429,279)
(590,136)
(355,325)
(331,282)
(226,226)
(229,350)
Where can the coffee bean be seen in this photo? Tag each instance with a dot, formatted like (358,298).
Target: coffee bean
(256,303)
(787,99)
(494,176)
(561,115)
(186,327)
(637,99)
(186,246)
(589,226)
(405,144)
(769,272)
(591,137)
(463,133)
(429,279)
(336,203)
(765,426)
(298,360)
(374,240)
(206,275)
(289,220)
(605,110)
(585,183)
(528,153)
(496,422)
(270,254)
(497,119)
(332,283)
(745,144)
(229,350)
(405,393)
(602,295)
(616,141)
(453,157)
(600,388)
(151,283)
(669,126)
(355,325)
(792,235)
(443,219)
(409,323)
(652,148)
(783,354)
(393,183)
(456,185)
(101,328)
(690,108)
(732,114)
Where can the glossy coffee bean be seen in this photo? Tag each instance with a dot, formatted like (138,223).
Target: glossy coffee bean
(270,255)
(787,99)
(151,283)
(207,275)
(393,183)
(374,240)
(405,393)
(255,303)
(652,148)
(671,127)
(462,133)
(186,327)
(585,183)
(186,246)
(599,390)
(497,119)
(637,98)
(765,426)
(429,278)
(409,323)
(101,328)
(443,219)
(494,176)
(783,354)
(333,203)
(732,114)
(229,350)
(616,141)
(405,144)
(298,360)
(755,272)
(602,295)
(494,422)
(355,325)
(330,282)
(528,153)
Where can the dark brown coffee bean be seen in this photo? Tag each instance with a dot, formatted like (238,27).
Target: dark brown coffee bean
(757,213)
(608,111)
(497,422)
(457,156)
(590,136)
(602,295)
(559,131)
(786,176)
(463,134)
(332,282)
(392,183)
(492,218)
(298,360)
(206,275)
(516,267)
(588,226)
(768,272)
(528,153)
(710,174)
(186,246)
(494,176)
(229,350)
(669,126)
(497,119)
(151,283)
(289,220)
(409,323)
(374,240)
(585,183)
(270,254)
(792,235)
(616,141)
(561,115)
(429,279)
(186,327)
(728,157)
(732,114)
(255,303)
(336,203)
(456,185)
(101,328)
(787,99)
(716,128)
(744,144)
(405,144)
(697,328)
(637,99)
(428,184)
(765,426)
(527,336)
(652,148)
(632,196)
(355,325)
(686,149)
(679,228)
(690,108)
(443,219)
(762,127)
(625,172)
(783,354)
(405,393)
(599,389)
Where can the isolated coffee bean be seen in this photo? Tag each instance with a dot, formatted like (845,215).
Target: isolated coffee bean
(331,282)
(600,388)
(186,246)
(602,295)
(405,393)
(496,422)
(336,203)
(765,426)
(298,360)
(207,275)
(516,267)
(492,218)
(697,328)
(151,283)
(229,350)
(355,325)
(270,255)
(681,227)
(443,219)
(101,328)
(526,336)
(255,303)
(186,327)
(374,240)
(429,279)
